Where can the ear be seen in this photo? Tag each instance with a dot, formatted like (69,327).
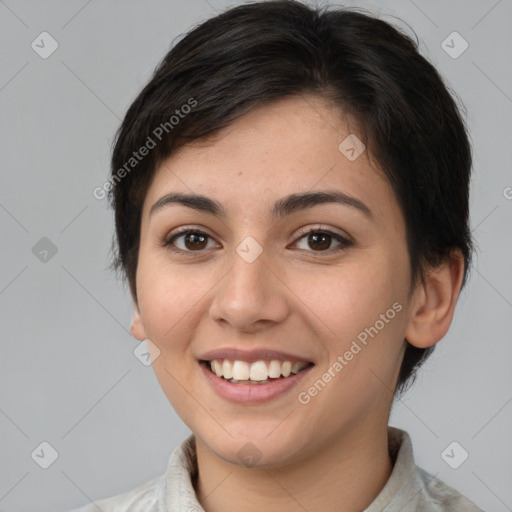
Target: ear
(434,301)
(137,328)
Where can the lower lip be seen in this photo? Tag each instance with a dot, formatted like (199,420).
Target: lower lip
(251,393)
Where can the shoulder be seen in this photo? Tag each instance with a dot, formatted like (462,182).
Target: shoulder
(171,490)
(143,498)
(438,496)
(411,488)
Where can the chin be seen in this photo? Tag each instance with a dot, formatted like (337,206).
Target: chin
(259,451)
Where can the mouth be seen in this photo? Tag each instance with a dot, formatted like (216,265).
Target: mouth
(255,373)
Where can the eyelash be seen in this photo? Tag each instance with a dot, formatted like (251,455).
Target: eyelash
(344,242)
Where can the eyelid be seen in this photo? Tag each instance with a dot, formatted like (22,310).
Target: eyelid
(306,230)
(186,228)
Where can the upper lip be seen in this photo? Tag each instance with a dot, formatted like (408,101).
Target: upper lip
(251,356)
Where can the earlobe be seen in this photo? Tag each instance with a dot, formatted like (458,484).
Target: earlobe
(434,302)
(137,329)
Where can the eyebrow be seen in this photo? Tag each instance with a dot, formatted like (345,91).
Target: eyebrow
(281,208)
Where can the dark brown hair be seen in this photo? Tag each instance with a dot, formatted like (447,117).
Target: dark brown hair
(257,53)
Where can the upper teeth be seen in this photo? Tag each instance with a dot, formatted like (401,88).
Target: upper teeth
(258,371)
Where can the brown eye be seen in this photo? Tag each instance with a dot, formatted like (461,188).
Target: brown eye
(195,241)
(319,240)
(188,241)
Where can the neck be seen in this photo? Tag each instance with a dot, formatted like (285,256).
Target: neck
(346,474)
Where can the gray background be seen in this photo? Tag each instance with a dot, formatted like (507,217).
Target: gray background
(68,375)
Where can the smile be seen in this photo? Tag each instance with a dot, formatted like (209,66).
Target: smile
(258,372)
(253,382)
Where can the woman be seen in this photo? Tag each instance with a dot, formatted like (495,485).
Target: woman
(291,202)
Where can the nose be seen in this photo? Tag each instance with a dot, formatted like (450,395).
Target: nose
(251,296)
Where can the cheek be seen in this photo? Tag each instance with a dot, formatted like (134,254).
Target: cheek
(362,319)
(169,300)
(352,297)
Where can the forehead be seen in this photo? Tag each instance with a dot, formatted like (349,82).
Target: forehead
(293,145)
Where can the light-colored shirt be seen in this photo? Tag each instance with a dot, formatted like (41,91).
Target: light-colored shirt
(408,489)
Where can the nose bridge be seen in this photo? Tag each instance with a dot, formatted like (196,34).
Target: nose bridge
(250,267)
(251,291)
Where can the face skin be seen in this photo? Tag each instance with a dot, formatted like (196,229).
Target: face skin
(300,295)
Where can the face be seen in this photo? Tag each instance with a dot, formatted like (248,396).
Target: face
(322,284)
